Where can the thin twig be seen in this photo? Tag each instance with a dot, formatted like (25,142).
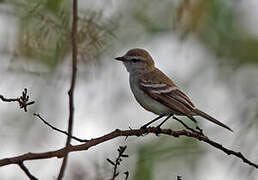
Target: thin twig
(134,132)
(126,175)
(71,90)
(59,130)
(9,99)
(179,177)
(186,126)
(23,100)
(118,160)
(26,171)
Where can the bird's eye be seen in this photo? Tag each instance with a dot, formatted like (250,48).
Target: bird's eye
(135,60)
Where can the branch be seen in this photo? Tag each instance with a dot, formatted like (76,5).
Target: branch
(26,171)
(133,132)
(187,127)
(23,100)
(118,160)
(59,130)
(71,90)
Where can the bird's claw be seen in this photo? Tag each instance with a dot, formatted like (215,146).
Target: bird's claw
(158,130)
(144,127)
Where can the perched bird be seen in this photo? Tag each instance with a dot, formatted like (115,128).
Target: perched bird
(155,92)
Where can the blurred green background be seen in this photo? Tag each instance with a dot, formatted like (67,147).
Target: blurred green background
(209,48)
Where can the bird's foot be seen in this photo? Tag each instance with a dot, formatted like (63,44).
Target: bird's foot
(158,130)
(144,127)
(200,131)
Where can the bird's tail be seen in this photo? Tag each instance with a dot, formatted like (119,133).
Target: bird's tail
(208,117)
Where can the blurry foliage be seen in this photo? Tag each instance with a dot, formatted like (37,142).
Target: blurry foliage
(216,23)
(145,163)
(141,19)
(174,152)
(93,35)
(45,31)
(159,20)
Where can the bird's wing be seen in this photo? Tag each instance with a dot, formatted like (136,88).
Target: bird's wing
(158,86)
(166,92)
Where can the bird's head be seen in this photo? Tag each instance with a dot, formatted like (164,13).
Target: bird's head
(137,60)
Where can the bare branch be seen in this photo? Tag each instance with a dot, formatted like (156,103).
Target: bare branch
(8,99)
(71,90)
(23,100)
(59,130)
(26,171)
(133,132)
(118,160)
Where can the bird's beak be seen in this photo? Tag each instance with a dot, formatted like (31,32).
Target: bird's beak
(120,58)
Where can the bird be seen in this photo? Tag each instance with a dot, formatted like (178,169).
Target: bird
(156,92)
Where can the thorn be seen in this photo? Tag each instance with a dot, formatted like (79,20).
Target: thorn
(111,162)
(179,177)
(125,155)
(126,175)
(126,138)
(158,131)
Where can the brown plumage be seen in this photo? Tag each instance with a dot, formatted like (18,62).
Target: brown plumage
(155,91)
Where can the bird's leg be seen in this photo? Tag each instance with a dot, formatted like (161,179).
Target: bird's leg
(164,121)
(192,118)
(158,127)
(197,127)
(157,118)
